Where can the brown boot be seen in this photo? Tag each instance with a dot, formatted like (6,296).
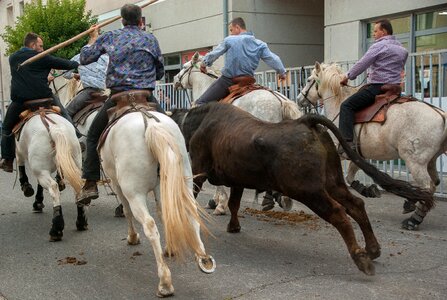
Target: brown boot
(88,193)
(7,165)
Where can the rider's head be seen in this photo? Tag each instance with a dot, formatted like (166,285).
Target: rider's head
(131,15)
(33,41)
(382,28)
(237,26)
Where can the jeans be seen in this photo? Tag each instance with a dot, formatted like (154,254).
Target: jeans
(91,164)
(363,98)
(80,100)
(218,90)
(12,117)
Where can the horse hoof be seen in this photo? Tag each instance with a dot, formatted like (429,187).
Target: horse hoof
(286,203)
(119,211)
(61,185)
(55,238)
(364,263)
(38,207)
(408,207)
(27,189)
(207,264)
(374,253)
(133,239)
(165,291)
(410,224)
(211,204)
(81,225)
(219,211)
(268,207)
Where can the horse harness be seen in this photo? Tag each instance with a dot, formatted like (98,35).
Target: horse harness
(128,102)
(41,107)
(188,72)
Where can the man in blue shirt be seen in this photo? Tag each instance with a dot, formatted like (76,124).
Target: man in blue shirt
(135,63)
(93,79)
(243,53)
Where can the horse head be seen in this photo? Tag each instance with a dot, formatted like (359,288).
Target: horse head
(191,74)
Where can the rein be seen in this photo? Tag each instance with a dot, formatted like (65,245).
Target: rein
(189,70)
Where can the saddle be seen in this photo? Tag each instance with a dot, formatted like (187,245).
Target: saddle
(242,86)
(377,111)
(96,101)
(127,102)
(41,107)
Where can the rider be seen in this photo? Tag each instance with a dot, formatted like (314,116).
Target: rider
(93,79)
(135,64)
(243,53)
(28,82)
(386,60)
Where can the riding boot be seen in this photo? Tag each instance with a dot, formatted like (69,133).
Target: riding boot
(88,193)
(7,165)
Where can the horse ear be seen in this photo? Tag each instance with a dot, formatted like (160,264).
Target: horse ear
(317,66)
(195,57)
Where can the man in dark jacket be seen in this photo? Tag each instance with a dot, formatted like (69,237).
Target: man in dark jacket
(28,83)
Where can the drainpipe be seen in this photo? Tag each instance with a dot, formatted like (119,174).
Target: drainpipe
(225,18)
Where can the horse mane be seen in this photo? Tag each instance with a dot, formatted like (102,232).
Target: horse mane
(330,76)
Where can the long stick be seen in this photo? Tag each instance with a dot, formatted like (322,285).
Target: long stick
(75,38)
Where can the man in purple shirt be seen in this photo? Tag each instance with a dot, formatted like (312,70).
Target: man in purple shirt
(385,59)
(135,63)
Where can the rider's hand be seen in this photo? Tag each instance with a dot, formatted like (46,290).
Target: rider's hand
(94,34)
(282,76)
(50,78)
(203,68)
(344,81)
(76,76)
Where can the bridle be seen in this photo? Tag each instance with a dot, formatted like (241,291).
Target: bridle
(190,70)
(314,106)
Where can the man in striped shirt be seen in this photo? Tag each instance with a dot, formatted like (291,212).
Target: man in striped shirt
(386,60)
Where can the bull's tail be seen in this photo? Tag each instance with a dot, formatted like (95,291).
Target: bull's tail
(395,186)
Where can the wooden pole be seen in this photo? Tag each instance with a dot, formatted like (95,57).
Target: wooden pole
(75,38)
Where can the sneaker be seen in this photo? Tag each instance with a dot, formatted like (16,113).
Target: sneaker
(7,165)
(88,193)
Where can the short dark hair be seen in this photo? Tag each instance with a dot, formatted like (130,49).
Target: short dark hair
(131,14)
(238,21)
(386,25)
(30,38)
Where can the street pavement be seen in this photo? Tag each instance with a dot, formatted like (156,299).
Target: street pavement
(268,259)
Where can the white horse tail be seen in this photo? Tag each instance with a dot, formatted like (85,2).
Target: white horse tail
(72,88)
(290,110)
(65,156)
(179,208)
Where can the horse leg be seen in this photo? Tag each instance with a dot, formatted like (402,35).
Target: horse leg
(222,201)
(60,182)
(332,212)
(38,202)
(371,191)
(433,172)
(233,204)
(81,220)
(268,202)
(56,231)
(27,188)
(423,179)
(138,209)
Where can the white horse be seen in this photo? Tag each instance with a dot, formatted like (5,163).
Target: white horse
(45,151)
(414,131)
(266,105)
(137,148)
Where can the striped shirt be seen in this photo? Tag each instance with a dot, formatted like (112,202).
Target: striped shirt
(243,53)
(135,60)
(385,59)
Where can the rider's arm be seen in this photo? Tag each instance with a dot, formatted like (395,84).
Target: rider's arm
(272,60)
(158,61)
(216,53)
(363,64)
(91,53)
(59,63)
(69,74)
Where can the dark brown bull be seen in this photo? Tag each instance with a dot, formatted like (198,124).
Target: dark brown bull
(298,158)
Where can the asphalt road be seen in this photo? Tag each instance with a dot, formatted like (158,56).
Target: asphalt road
(268,259)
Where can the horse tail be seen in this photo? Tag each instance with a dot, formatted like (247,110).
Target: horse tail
(65,155)
(180,211)
(290,110)
(395,186)
(72,88)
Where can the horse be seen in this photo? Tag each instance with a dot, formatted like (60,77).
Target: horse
(138,147)
(297,158)
(266,105)
(48,149)
(413,131)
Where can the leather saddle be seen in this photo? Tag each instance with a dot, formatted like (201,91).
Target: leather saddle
(95,103)
(242,86)
(377,112)
(127,102)
(41,107)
